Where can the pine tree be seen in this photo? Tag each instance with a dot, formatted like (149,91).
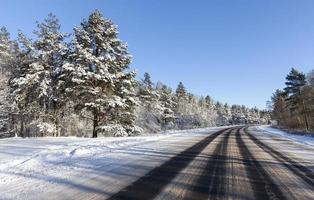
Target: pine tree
(124,114)
(19,84)
(181,100)
(96,72)
(8,50)
(181,91)
(209,102)
(294,84)
(279,107)
(8,53)
(167,105)
(51,53)
(37,81)
(147,95)
(149,109)
(147,82)
(221,118)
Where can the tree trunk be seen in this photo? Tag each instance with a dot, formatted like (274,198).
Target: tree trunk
(305,117)
(95,123)
(56,120)
(22,128)
(57,127)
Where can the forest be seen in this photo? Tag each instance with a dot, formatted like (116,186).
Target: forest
(80,84)
(293,107)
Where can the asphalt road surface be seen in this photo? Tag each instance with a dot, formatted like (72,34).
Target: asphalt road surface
(233,163)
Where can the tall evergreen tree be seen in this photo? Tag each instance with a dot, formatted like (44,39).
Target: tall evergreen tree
(295,81)
(181,100)
(39,72)
(147,95)
(279,107)
(147,81)
(8,51)
(167,105)
(19,84)
(97,73)
(181,91)
(209,102)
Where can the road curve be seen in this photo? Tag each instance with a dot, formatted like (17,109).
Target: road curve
(233,163)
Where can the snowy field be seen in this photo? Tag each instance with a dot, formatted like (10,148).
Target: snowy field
(34,166)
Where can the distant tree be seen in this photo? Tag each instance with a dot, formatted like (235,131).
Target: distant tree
(279,107)
(8,51)
(147,94)
(147,81)
(310,78)
(167,105)
(181,100)
(209,102)
(181,91)
(295,81)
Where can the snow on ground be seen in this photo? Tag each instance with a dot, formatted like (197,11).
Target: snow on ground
(31,166)
(302,139)
(297,147)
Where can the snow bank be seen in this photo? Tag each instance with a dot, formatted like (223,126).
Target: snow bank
(302,139)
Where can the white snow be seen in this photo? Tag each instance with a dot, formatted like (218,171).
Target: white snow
(33,168)
(298,148)
(302,139)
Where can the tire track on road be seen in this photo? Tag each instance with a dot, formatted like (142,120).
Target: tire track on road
(299,170)
(263,185)
(151,184)
(211,182)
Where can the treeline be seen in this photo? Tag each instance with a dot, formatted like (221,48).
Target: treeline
(293,107)
(60,84)
(161,108)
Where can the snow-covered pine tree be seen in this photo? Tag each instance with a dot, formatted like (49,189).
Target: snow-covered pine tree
(51,50)
(8,51)
(167,105)
(149,111)
(181,91)
(147,82)
(19,79)
(221,118)
(37,80)
(4,106)
(123,116)
(209,102)
(147,94)
(181,99)
(227,112)
(206,111)
(97,75)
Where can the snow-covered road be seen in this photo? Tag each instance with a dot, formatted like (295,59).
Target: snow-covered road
(175,165)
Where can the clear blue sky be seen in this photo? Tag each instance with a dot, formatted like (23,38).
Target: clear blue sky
(237,51)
